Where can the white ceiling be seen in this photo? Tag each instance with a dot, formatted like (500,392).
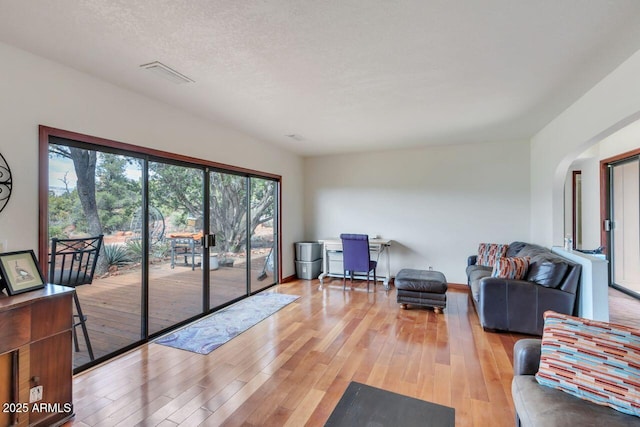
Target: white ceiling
(344,75)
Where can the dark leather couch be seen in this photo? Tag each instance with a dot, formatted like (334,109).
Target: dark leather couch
(517,305)
(537,405)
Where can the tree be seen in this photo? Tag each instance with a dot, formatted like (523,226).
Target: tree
(118,197)
(178,189)
(84,163)
(228,211)
(109,199)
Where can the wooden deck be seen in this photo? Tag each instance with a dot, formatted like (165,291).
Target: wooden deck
(113,304)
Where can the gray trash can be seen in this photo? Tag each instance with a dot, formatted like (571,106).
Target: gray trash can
(308,251)
(308,260)
(308,270)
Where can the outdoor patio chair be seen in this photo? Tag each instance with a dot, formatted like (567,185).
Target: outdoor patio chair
(73,263)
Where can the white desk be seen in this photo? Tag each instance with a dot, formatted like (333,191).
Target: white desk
(332,259)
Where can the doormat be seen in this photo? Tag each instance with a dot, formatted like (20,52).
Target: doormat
(363,405)
(210,332)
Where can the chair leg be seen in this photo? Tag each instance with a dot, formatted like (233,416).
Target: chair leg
(82,322)
(75,338)
(368,281)
(344,280)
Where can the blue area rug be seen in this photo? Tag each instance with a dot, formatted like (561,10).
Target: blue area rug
(212,331)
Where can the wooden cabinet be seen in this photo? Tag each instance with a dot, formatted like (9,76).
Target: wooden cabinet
(36,350)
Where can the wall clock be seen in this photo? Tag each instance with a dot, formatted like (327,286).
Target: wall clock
(5,182)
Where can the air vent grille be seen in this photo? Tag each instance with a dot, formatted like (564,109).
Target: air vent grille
(166,72)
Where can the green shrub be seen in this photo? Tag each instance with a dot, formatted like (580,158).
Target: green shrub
(134,249)
(161,249)
(116,255)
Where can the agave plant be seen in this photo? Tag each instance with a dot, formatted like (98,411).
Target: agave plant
(116,255)
(134,249)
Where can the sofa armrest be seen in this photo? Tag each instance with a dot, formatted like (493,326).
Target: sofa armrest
(472,260)
(526,356)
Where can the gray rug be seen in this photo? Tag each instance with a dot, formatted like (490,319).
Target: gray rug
(363,405)
(210,332)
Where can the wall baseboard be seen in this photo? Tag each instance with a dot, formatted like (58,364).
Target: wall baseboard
(289,279)
(456,286)
(459,286)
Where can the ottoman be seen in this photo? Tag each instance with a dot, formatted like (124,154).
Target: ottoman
(421,287)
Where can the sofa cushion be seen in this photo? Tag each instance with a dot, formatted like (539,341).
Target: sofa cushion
(489,252)
(547,272)
(595,361)
(510,268)
(515,248)
(475,273)
(532,251)
(537,405)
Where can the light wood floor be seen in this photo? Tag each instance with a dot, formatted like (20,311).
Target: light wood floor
(623,309)
(292,368)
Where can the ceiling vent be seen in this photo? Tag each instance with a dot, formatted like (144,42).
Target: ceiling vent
(166,73)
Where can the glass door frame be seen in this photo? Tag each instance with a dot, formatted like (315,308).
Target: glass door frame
(606,200)
(148,154)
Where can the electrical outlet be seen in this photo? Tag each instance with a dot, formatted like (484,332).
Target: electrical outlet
(35,394)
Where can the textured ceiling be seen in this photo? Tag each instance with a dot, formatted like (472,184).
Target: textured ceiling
(344,75)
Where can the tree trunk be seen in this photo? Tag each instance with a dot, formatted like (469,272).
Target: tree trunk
(84,162)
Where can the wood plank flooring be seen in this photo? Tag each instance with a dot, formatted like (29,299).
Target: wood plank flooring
(623,308)
(292,368)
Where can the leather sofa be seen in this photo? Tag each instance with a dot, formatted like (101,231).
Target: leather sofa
(517,305)
(537,405)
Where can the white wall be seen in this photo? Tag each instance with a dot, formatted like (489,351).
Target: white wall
(35,91)
(589,165)
(622,141)
(609,106)
(436,203)
(626,139)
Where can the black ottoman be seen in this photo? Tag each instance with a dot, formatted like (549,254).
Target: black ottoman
(421,287)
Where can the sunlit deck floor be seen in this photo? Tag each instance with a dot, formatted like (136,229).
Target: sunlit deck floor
(113,304)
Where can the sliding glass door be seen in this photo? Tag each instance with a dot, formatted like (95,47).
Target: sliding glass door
(228,259)
(159,267)
(242,215)
(90,193)
(625,230)
(175,249)
(263,233)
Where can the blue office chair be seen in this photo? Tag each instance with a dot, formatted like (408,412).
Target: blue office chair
(356,257)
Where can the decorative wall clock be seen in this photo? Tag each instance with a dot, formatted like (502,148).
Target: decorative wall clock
(5,182)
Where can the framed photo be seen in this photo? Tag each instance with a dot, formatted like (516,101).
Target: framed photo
(20,272)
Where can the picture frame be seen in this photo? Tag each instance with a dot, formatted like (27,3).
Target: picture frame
(20,272)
